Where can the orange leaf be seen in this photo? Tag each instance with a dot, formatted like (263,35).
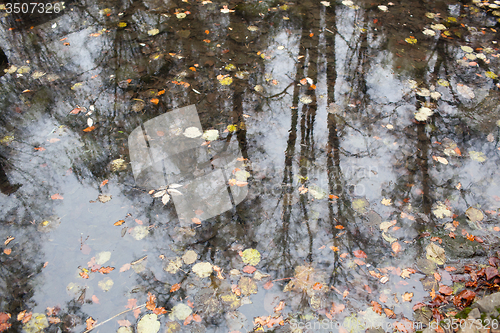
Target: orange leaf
(396,247)
(104,182)
(56,196)
(106,270)
(235,289)
(192,68)
(119,222)
(389,313)
(471,237)
(407,297)
(377,307)
(161,92)
(89,129)
(334,248)
(155,101)
(332,196)
(159,311)
(196,220)
(207,32)
(84,275)
(76,110)
(151,303)
(39,148)
(360,254)
(175,287)
(317,286)
(340,227)
(188,320)
(279,307)
(249,269)
(7,251)
(197,318)
(437,276)
(90,323)
(95,299)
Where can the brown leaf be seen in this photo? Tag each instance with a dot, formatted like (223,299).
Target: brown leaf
(4,321)
(464,298)
(360,254)
(491,272)
(446,290)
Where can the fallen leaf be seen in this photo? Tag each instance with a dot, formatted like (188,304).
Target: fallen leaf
(56,196)
(407,297)
(90,323)
(104,182)
(249,269)
(119,222)
(396,247)
(175,287)
(359,254)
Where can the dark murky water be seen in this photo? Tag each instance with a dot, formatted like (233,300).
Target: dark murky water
(362,133)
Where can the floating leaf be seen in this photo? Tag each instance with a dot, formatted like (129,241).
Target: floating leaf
(211,135)
(189,257)
(440,210)
(386,202)
(140,232)
(226,81)
(411,40)
(104,198)
(465,91)
(384,226)
(438,26)
(203,269)
(102,257)
(247,286)
(474,214)
(423,114)
(36,324)
(192,132)
(435,253)
(477,156)
(491,75)
(122,24)
(429,32)
(360,205)
(251,257)
(383,8)
(165,199)
(153,32)
(467,49)
(180,312)
(148,324)
(443,82)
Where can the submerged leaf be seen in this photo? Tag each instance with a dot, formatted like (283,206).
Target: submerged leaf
(435,253)
(251,257)
(148,324)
